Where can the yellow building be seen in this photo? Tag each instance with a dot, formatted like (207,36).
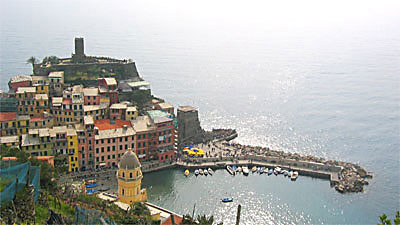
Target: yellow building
(129,177)
(37,142)
(41,83)
(131,113)
(26,100)
(12,124)
(42,104)
(72,140)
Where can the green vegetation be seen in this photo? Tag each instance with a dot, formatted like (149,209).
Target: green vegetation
(48,174)
(202,220)
(386,221)
(4,182)
(32,60)
(51,59)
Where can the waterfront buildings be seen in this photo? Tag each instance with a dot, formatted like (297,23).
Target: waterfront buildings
(87,124)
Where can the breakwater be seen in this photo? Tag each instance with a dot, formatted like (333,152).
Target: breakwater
(344,176)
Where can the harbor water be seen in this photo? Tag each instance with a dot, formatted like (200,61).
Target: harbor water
(310,77)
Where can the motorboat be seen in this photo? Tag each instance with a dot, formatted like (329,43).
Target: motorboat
(254,169)
(210,171)
(265,170)
(196,172)
(227,199)
(240,169)
(235,168)
(278,170)
(294,175)
(245,170)
(201,172)
(290,174)
(230,170)
(285,172)
(205,171)
(187,172)
(261,170)
(270,171)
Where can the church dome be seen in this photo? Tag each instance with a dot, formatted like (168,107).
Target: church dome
(129,161)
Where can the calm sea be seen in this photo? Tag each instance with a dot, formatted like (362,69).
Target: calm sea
(313,77)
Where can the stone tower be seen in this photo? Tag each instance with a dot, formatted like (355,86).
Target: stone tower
(129,178)
(79,55)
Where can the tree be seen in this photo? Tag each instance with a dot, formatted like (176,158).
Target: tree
(32,60)
(385,221)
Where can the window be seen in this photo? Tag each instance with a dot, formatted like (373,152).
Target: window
(120,139)
(139,136)
(144,144)
(113,140)
(133,145)
(123,190)
(144,136)
(120,147)
(108,148)
(130,175)
(102,141)
(108,157)
(139,145)
(108,141)
(126,138)
(113,156)
(71,143)
(113,148)
(102,158)
(97,150)
(102,149)
(123,175)
(97,159)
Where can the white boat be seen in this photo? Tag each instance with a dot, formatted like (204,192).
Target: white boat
(230,170)
(278,169)
(266,170)
(196,172)
(210,171)
(254,169)
(270,171)
(245,170)
(285,172)
(294,175)
(205,171)
(240,169)
(290,174)
(201,171)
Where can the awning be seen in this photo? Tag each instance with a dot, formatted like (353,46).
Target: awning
(103,164)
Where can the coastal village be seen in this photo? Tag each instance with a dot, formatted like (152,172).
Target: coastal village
(96,117)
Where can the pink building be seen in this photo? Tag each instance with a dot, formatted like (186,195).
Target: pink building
(108,88)
(91,96)
(112,139)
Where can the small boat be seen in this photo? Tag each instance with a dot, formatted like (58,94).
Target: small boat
(290,174)
(294,175)
(261,170)
(285,172)
(240,169)
(205,172)
(210,171)
(234,168)
(277,170)
(187,172)
(265,170)
(201,172)
(245,170)
(270,171)
(227,199)
(254,169)
(196,172)
(230,170)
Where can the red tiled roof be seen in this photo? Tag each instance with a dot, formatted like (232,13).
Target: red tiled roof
(7,116)
(106,124)
(177,220)
(38,118)
(67,101)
